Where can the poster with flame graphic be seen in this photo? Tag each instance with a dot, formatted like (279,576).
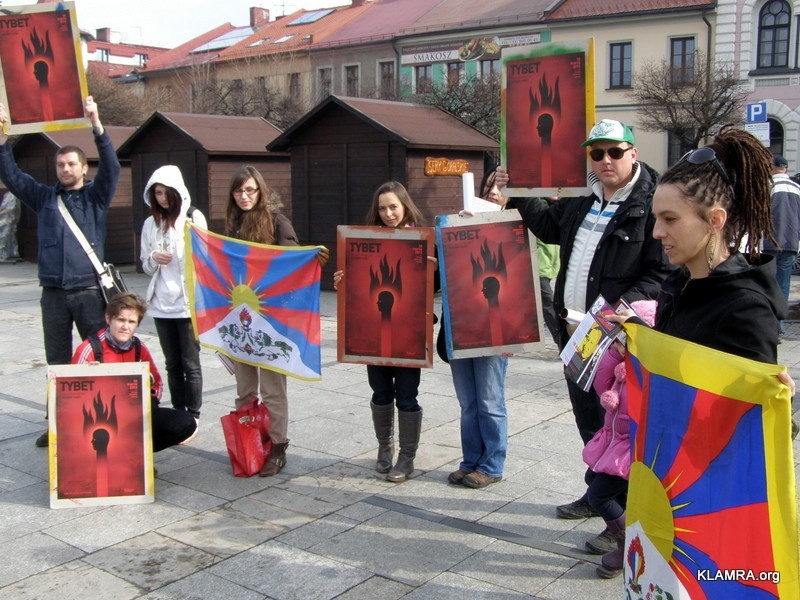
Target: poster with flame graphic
(547,107)
(101,446)
(490,284)
(42,76)
(385,300)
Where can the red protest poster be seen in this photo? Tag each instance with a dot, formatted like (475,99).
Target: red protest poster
(547,109)
(43,81)
(100,435)
(490,290)
(385,301)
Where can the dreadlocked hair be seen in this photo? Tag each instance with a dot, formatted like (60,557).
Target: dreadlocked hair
(747,202)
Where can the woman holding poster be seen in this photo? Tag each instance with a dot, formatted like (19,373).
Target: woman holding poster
(393,207)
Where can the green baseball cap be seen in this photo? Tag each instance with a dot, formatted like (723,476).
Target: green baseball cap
(610,130)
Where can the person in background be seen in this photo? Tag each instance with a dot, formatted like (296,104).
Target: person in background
(546,255)
(252,215)
(117,343)
(70,293)
(162,256)
(785,242)
(607,247)
(392,206)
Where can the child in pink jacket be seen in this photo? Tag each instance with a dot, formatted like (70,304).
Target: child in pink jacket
(608,453)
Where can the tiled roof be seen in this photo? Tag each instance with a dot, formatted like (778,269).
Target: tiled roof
(413,125)
(182,55)
(128,50)
(463,14)
(217,134)
(279,36)
(385,19)
(575,9)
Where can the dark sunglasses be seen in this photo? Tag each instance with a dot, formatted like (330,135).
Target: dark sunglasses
(701,156)
(614,153)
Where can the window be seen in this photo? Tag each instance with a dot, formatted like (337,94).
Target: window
(423,77)
(677,146)
(455,73)
(103,55)
(351,80)
(490,68)
(773,34)
(681,59)
(140,59)
(324,82)
(620,67)
(387,79)
(776,138)
(311,17)
(294,85)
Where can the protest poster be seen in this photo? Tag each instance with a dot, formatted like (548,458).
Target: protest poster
(385,301)
(547,108)
(490,285)
(101,444)
(42,76)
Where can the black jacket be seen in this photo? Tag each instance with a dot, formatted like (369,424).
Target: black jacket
(735,309)
(627,262)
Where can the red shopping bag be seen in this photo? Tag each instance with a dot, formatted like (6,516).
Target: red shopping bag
(247,437)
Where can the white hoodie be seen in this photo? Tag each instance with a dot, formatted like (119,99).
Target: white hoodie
(166,293)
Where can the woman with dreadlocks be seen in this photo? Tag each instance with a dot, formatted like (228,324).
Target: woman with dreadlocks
(711,203)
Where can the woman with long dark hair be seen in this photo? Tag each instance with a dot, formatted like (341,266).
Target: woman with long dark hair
(162,257)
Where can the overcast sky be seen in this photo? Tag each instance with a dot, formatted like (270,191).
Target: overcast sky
(169,23)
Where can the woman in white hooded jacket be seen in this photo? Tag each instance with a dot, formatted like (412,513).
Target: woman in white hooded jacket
(162,257)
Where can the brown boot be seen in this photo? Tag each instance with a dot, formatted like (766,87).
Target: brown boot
(611,564)
(410,425)
(275,461)
(383,421)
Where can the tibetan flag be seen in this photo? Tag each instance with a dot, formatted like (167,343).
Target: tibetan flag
(254,303)
(712,503)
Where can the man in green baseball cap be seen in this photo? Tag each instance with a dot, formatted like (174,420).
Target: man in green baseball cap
(607,247)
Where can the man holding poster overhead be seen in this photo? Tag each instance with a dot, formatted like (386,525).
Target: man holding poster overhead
(70,293)
(607,248)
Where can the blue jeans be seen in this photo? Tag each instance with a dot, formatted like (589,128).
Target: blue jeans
(395,384)
(182,358)
(480,388)
(784,261)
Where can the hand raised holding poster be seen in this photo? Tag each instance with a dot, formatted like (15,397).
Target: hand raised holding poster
(42,79)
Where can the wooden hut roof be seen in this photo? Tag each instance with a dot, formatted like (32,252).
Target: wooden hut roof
(216,134)
(413,125)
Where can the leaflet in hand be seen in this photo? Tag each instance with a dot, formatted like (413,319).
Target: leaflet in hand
(594,334)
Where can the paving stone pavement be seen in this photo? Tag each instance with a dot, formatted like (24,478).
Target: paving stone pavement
(328,526)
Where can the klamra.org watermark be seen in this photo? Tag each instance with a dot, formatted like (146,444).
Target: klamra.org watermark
(738,575)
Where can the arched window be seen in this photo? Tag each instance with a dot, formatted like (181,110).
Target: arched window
(773,34)
(776,137)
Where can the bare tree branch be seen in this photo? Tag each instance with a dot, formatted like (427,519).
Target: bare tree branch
(691,104)
(475,101)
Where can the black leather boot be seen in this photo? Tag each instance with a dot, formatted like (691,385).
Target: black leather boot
(410,425)
(383,421)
